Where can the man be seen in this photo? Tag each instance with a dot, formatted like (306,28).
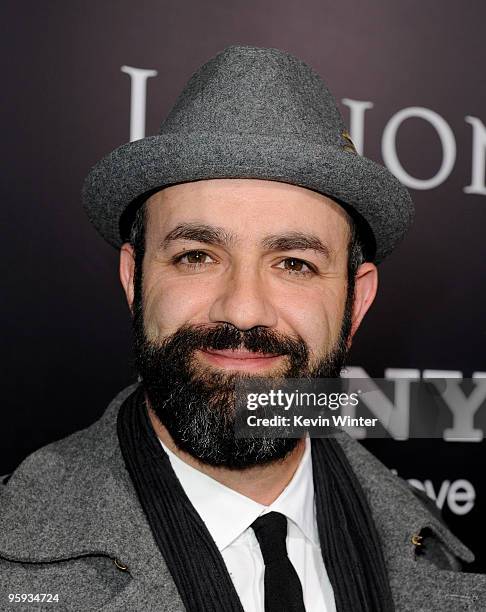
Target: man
(249,231)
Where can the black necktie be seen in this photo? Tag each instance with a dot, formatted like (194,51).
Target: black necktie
(283,591)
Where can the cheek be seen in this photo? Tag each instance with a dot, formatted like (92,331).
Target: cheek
(316,315)
(170,303)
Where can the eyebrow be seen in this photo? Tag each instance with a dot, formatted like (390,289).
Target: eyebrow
(296,241)
(209,234)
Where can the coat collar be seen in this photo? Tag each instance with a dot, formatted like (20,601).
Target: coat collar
(74,498)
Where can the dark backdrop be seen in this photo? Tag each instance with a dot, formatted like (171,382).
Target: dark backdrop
(66,103)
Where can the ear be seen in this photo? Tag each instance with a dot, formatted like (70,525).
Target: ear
(366,285)
(127,269)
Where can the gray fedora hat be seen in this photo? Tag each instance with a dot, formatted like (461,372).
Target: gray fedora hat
(251,113)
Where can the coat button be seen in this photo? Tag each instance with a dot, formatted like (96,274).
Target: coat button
(120,565)
(417,540)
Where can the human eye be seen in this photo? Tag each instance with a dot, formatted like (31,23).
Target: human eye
(296,267)
(193,259)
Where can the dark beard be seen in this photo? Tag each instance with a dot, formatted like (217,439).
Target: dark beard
(197,404)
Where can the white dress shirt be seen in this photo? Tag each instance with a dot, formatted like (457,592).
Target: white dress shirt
(228,515)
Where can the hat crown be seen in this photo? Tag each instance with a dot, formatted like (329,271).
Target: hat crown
(248,90)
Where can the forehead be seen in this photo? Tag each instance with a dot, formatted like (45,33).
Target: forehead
(248,208)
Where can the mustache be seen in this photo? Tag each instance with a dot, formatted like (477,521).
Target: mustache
(223,336)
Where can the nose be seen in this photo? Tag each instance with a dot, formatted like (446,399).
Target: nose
(243,301)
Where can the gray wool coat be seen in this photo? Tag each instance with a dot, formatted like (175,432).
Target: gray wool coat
(71,525)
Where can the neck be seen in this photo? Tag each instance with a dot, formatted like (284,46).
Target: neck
(261,483)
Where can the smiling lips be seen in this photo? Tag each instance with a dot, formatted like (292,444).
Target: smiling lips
(240,358)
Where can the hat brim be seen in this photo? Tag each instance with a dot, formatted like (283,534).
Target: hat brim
(143,166)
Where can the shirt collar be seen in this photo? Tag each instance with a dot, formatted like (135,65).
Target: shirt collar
(227,513)
(297,499)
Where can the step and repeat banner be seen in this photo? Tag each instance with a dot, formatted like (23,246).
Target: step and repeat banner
(80,78)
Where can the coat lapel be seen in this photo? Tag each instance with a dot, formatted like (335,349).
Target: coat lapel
(399,515)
